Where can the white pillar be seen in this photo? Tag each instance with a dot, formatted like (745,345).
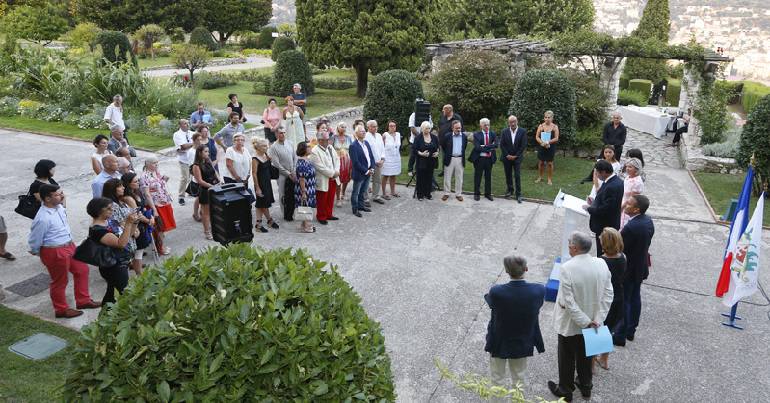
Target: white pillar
(610,80)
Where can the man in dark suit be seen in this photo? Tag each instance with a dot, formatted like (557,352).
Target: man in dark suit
(605,209)
(637,235)
(362,160)
(513,142)
(514,328)
(483,157)
(454,145)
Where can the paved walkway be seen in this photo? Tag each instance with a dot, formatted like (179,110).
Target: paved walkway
(656,152)
(258,63)
(423,268)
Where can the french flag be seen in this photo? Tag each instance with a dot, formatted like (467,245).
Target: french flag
(737,228)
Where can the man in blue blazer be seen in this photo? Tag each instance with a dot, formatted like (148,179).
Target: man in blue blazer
(362,160)
(513,142)
(514,327)
(605,209)
(637,236)
(483,157)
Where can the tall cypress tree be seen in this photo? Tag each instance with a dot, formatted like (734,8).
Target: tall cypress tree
(654,24)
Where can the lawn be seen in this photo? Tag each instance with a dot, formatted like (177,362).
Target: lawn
(140,140)
(23,380)
(568,171)
(720,189)
(158,61)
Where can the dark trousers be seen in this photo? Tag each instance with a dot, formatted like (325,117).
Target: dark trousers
(678,134)
(618,151)
(514,166)
(116,278)
(424,182)
(572,355)
(599,249)
(483,166)
(269,135)
(632,308)
(412,159)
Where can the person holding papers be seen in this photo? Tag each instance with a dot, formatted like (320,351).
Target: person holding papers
(547,136)
(583,300)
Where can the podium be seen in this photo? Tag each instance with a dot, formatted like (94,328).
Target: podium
(575,218)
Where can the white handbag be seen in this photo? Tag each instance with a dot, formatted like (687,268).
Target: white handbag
(303,213)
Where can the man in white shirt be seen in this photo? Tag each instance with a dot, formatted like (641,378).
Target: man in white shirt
(583,300)
(183,143)
(378,149)
(113,115)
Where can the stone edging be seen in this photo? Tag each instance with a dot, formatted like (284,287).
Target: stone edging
(212,63)
(341,114)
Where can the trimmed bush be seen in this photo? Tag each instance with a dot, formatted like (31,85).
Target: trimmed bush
(590,100)
(176,35)
(752,93)
(266,37)
(629,97)
(233,324)
(641,86)
(334,83)
(478,83)
(391,95)
(209,80)
(292,67)
(282,44)
(115,47)
(755,139)
(711,112)
(202,37)
(248,39)
(540,90)
(623,82)
(673,89)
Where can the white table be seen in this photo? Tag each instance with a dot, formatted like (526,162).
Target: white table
(646,119)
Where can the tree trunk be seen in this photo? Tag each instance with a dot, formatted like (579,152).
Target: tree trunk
(191,76)
(362,78)
(223,37)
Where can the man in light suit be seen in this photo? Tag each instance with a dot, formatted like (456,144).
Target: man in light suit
(362,160)
(583,300)
(327,169)
(605,209)
(637,235)
(454,144)
(513,142)
(514,327)
(483,157)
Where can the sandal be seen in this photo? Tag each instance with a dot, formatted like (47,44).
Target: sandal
(339,203)
(272,224)
(208,236)
(165,251)
(8,256)
(386,197)
(396,195)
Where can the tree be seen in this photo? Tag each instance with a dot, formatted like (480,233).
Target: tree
(149,34)
(654,24)
(755,141)
(115,47)
(202,37)
(190,57)
(503,18)
(230,16)
(83,35)
(369,34)
(40,24)
(292,67)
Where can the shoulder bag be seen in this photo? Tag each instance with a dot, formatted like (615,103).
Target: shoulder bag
(28,206)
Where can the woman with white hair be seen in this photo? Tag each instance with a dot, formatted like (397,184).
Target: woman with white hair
(156,184)
(263,188)
(425,148)
(238,161)
(633,184)
(546,137)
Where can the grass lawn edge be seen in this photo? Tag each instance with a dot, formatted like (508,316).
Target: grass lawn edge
(64,136)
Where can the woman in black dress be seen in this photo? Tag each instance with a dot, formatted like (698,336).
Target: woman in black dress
(425,147)
(263,189)
(206,177)
(235,106)
(612,245)
(546,137)
(44,170)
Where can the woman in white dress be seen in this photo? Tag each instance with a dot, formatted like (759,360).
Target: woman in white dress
(100,142)
(293,122)
(392,166)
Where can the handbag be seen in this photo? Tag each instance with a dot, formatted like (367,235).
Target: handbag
(28,206)
(274,173)
(96,254)
(303,213)
(193,189)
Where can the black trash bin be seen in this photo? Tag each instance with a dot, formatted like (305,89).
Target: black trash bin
(230,209)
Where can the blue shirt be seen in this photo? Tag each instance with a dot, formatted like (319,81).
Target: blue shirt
(49,228)
(457,144)
(200,117)
(98,184)
(300,97)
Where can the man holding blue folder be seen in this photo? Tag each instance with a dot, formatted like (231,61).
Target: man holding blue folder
(584,298)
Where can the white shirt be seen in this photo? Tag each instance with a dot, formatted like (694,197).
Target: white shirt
(412,124)
(241,163)
(114,117)
(181,138)
(366,152)
(377,145)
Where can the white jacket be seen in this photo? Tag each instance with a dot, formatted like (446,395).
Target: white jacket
(585,294)
(326,163)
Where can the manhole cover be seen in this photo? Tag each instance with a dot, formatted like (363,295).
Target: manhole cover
(38,346)
(31,286)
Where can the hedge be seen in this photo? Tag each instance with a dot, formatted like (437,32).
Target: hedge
(292,67)
(334,83)
(629,97)
(673,90)
(752,93)
(282,44)
(115,47)
(233,324)
(540,90)
(754,137)
(391,95)
(641,86)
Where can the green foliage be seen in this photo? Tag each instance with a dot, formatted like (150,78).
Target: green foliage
(148,35)
(588,139)
(292,67)
(545,89)
(257,52)
(83,35)
(41,24)
(711,112)
(484,388)
(752,93)
(190,57)
(641,86)
(727,148)
(234,324)
(477,82)
(280,45)
(266,39)
(367,35)
(248,39)
(202,37)
(624,82)
(391,95)
(631,97)
(587,42)
(755,139)
(654,24)
(673,90)
(503,18)
(176,35)
(334,83)
(209,80)
(229,16)
(590,99)
(733,88)
(647,69)
(115,47)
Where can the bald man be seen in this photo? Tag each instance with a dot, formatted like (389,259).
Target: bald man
(110,163)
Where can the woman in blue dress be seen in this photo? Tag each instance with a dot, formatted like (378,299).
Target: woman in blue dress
(304,190)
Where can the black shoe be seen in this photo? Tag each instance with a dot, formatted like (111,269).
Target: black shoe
(585,391)
(429,197)
(273,224)
(619,342)
(554,388)
(518,199)
(332,218)
(630,337)
(508,195)
(366,209)
(262,229)
(488,197)
(419,199)
(367,204)
(181,201)
(357,214)
(476,197)
(323,222)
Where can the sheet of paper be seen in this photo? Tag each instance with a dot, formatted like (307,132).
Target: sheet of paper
(597,342)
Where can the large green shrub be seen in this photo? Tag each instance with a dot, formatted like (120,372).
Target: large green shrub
(334,83)
(176,35)
(540,90)
(590,100)
(202,37)
(478,83)
(148,34)
(711,112)
(210,80)
(752,93)
(641,86)
(623,82)
(391,95)
(654,24)
(630,97)
(673,90)
(248,40)
(234,324)
(292,67)
(266,37)
(755,138)
(282,44)
(115,47)
(83,35)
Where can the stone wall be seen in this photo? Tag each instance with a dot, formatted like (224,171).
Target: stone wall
(346,115)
